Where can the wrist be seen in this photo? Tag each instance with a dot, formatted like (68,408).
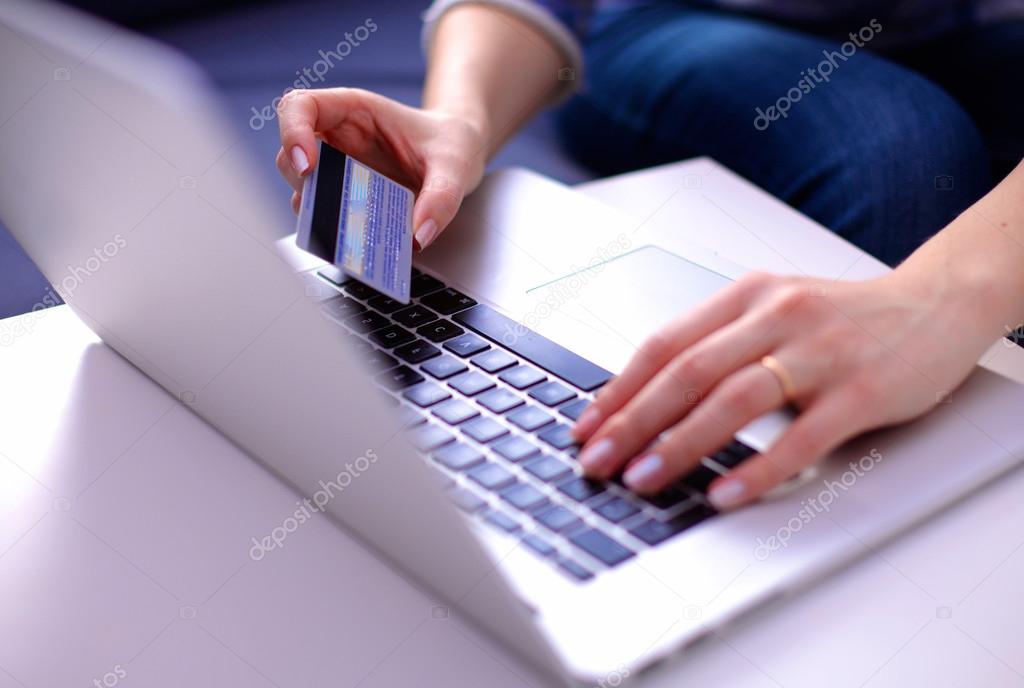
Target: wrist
(472,115)
(955,277)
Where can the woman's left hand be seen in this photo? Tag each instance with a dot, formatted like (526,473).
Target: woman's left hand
(856,356)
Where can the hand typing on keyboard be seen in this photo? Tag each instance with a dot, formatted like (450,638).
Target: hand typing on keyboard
(850,356)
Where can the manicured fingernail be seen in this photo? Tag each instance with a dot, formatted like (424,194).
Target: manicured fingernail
(587,423)
(426,233)
(592,457)
(727,493)
(300,163)
(643,475)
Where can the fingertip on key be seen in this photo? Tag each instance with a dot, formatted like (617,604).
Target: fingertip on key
(594,458)
(727,493)
(587,423)
(645,475)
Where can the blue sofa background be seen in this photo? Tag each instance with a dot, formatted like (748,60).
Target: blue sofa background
(253,49)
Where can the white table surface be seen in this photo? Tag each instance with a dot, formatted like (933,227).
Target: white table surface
(125,527)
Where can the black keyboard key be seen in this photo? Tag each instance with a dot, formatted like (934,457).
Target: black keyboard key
(733,455)
(377,361)
(654,531)
(483,429)
(529,418)
(466,345)
(739,449)
(398,378)
(448,301)
(440,330)
(466,500)
(342,307)
(392,336)
(385,304)
(458,456)
(333,275)
(701,478)
(502,521)
(581,489)
(667,499)
(524,497)
(514,449)
(454,411)
(499,400)
(557,518)
(471,383)
(698,513)
(359,290)
(417,351)
(552,393)
(557,436)
(490,476)
(540,545)
(492,361)
(601,547)
(367,321)
(547,468)
(444,367)
(424,284)
(414,316)
(429,437)
(539,350)
(575,570)
(426,394)
(616,510)
(574,409)
(522,376)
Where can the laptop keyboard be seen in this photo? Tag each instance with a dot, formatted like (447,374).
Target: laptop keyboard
(489,404)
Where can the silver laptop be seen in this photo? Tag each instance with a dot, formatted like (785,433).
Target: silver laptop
(436,432)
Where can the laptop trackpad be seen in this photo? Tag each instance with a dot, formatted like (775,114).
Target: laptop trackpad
(624,300)
(605,311)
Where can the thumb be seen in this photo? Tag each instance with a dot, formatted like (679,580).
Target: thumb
(438,201)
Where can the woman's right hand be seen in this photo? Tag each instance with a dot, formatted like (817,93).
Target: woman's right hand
(441,156)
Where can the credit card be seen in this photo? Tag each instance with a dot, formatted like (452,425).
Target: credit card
(359,220)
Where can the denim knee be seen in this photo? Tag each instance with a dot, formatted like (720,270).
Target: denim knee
(899,178)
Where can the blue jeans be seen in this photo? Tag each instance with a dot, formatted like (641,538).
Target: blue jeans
(885,152)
